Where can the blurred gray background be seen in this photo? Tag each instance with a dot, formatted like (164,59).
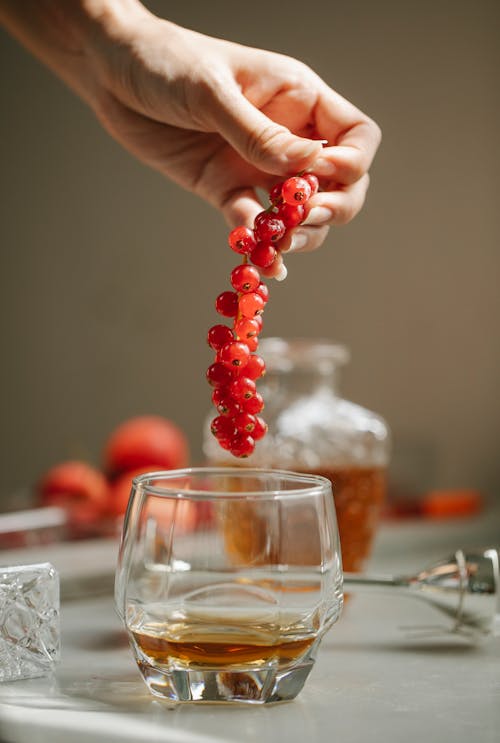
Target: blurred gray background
(109,272)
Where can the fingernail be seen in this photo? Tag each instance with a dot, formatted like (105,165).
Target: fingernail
(282,273)
(324,167)
(298,241)
(302,149)
(318,215)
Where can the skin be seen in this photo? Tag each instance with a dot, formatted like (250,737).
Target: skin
(218,118)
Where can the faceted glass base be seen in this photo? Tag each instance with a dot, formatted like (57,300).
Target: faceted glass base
(263,686)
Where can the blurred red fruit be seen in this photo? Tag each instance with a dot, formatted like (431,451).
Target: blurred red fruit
(120,489)
(186,513)
(79,488)
(183,512)
(146,441)
(205,515)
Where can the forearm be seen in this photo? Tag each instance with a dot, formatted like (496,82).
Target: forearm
(65,36)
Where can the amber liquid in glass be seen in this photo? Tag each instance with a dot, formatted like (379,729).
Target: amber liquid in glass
(216,650)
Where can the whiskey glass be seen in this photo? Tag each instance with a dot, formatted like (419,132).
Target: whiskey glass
(227,580)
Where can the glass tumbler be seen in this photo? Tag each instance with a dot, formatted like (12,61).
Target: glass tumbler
(218,614)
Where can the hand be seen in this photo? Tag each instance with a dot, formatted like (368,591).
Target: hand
(218,118)
(221,119)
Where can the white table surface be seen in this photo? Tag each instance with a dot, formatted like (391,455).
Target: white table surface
(374,680)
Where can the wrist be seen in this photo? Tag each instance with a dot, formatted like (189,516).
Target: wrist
(71,36)
(102,29)
(113,33)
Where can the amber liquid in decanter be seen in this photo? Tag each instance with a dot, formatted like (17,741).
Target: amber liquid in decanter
(359,494)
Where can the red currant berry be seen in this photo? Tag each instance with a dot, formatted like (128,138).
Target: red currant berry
(242,240)
(218,336)
(245,278)
(246,329)
(242,388)
(255,367)
(251,304)
(291,215)
(227,304)
(253,405)
(219,375)
(223,427)
(252,343)
(263,255)
(218,394)
(263,292)
(260,428)
(234,354)
(245,422)
(275,194)
(268,227)
(242,445)
(259,319)
(313,182)
(296,190)
(227,405)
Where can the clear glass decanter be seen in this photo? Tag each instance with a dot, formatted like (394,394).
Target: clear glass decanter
(313,429)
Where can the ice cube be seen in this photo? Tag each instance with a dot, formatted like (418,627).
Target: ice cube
(29,621)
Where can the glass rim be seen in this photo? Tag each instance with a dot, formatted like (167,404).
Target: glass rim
(312,484)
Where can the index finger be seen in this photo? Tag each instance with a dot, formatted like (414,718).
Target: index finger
(353,135)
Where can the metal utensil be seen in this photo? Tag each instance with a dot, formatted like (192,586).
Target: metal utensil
(464,588)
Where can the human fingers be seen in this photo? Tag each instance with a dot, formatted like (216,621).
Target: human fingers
(277,270)
(336,207)
(261,141)
(240,207)
(342,165)
(354,137)
(304,239)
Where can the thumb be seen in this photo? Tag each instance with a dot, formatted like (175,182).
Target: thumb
(259,140)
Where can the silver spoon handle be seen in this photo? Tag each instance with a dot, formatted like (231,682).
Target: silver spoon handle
(355,582)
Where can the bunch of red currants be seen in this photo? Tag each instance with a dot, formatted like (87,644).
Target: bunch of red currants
(237,367)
